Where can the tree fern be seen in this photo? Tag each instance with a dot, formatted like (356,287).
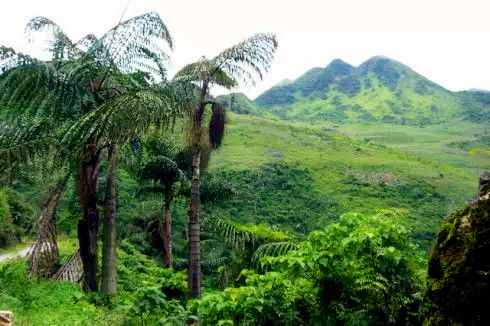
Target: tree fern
(214,254)
(240,63)
(228,233)
(271,249)
(94,92)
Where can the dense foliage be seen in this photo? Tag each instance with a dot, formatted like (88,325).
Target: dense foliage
(363,268)
(325,220)
(147,293)
(360,271)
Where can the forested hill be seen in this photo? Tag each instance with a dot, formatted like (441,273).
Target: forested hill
(378,90)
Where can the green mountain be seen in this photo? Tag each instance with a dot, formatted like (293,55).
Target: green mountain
(240,103)
(378,90)
(343,138)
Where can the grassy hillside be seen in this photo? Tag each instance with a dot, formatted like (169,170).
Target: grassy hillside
(300,178)
(379,90)
(460,143)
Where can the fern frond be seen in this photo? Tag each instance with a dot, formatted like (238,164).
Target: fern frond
(22,140)
(61,46)
(214,253)
(272,249)
(193,72)
(163,170)
(253,55)
(228,233)
(43,88)
(123,118)
(134,40)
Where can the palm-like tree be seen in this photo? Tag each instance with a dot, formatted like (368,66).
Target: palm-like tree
(165,176)
(110,124)
(27,139)
(243,62)
(95,92)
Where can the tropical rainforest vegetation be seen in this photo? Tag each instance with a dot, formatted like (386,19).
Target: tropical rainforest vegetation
(318,203)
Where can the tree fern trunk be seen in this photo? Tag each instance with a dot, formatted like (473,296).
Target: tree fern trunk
(194,212)
(109,262)
(88,226)
(166,232)
(194,230)
(44,254)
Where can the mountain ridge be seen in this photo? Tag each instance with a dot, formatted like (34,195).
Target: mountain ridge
(378,90)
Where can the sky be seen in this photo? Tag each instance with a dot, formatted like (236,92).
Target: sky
(447,41)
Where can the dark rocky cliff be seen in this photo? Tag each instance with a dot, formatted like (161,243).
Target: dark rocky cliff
(458,282)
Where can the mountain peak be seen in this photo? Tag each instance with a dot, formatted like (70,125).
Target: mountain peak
(387,70)
(338,67)
(380,89)
(379,57)
(338,62)
(379,60)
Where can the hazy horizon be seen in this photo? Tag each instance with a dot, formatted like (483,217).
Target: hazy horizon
(445,41)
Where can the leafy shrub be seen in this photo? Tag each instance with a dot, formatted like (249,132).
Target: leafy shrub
(147,295)
(362,270)
(365,267)
(137,271)
(270,299)
(39,302)
(153,306)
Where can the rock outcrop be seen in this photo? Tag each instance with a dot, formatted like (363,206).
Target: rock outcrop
(6,318)
(458,282)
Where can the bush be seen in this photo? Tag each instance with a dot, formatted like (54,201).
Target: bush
(365,267)
(362,270)
(270,299)
(147,295)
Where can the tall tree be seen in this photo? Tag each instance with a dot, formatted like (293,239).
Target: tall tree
(241,63)
(25,145)
(109,263)
(118,121)
(87,88)
(166,175)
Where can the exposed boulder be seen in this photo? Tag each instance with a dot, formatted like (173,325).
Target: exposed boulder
(458,282)
(6,318)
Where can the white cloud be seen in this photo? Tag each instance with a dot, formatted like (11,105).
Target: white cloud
(446,41)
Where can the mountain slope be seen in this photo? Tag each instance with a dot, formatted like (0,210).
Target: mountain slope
(314,80)
(240,103)
(378,90)
(298,178)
